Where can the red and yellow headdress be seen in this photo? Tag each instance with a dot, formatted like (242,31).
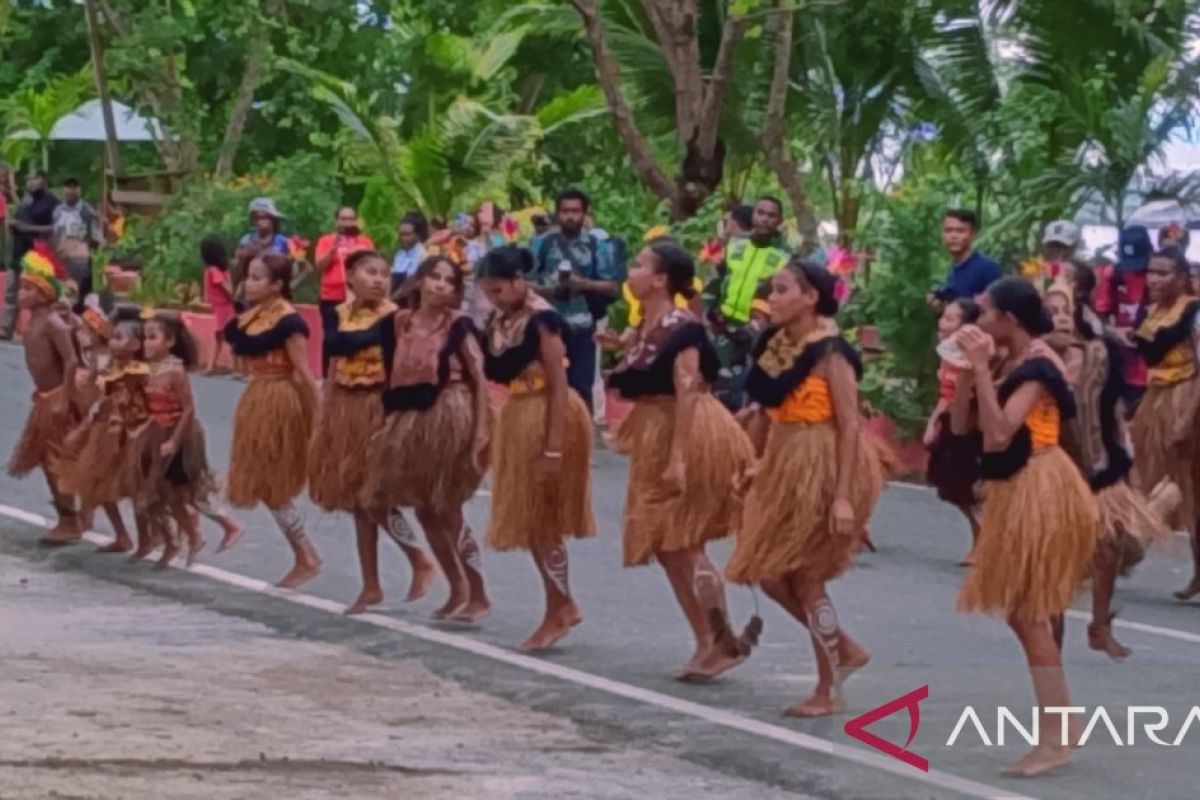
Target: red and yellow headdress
(42,269)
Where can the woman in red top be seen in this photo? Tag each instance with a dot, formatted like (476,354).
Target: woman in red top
(218,293)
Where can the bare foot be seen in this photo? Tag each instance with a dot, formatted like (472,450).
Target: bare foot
(195,548)
(303,572)
(64,533)
(851,659)
(473,612)
(1039,761)
(170,550)
(424,574)
(117,545)
(712,665)
(553,628)
(232,534)
(819,705)
(366,599)
(454,604)
(1190,592)
(1100,638)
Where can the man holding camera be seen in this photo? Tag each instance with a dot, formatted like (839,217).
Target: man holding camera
(579,274)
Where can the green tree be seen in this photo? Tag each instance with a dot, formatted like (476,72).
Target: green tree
(31,113)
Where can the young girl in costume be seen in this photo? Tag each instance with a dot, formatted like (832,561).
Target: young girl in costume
(273,421)
(431,452)
(542,440)
(818,476)
(1039,524)
(51,360)
(953,459)
(351,412)
(175,462)
(103,462)
(685,449)
(1097,441)
(1164,429)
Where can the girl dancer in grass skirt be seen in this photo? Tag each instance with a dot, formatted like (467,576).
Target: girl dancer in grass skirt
(273,422)
(351,413)
(542,440)
(818,476)
(1096,439)
(1039,525)
(1165,436)
(685,450)
(431,452)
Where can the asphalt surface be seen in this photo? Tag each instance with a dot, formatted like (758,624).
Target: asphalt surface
(614,675)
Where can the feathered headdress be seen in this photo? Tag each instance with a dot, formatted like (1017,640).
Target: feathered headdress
(42,269)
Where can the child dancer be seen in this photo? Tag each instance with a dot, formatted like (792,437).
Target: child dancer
(1098,443)
(818,476)
(103,462)
(431,452)
(542,444)
(953,459)
(351,412)
(1164,428)
(685,450)
(1038,528)
(51,360)
(273,421)
(218,293)
(175,463)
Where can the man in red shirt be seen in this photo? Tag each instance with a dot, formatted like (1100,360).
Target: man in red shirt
(332,250)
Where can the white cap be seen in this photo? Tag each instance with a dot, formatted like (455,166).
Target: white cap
(1063,232)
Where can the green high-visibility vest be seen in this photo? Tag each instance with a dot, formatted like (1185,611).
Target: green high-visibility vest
(749,265)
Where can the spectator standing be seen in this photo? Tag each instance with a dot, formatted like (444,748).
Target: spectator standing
(33,222)
(578,273)
(411,235)
(971,272)
(332,250)
(264,236)
(76,231)
(1129,307)
(218,293)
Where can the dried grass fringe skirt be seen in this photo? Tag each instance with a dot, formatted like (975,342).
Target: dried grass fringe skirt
(717,451)
(337,464)
(423,458)
(1037,537)
(787,526)
(102,462)
(271,431)
(527,512)
(1155,458)
(186,474)
(42,438)
(1130,523)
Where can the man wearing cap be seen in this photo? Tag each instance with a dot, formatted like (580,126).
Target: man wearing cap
(1060,241)
(263,236)
(1135,249)
(971,272)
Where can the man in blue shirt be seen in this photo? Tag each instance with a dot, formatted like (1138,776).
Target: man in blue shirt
(580,275)
(971,272)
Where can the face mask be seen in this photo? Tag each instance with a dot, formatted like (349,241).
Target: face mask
(351,231)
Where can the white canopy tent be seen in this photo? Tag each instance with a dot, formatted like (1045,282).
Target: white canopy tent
(86,124)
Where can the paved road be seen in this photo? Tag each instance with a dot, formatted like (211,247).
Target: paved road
(612,677)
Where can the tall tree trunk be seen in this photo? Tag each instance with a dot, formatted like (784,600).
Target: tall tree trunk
(96,45)
(257,52)
(774,137)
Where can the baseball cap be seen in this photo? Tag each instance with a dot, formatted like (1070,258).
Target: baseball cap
(265,205)
(1135,249)
(1062,231)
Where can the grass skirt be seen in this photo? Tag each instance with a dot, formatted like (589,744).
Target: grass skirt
(529,513)
(337,467)
(1129,524)
(1037,537)
(787,526)
(1154,456)
(186,473)
(717,451)
(271,430)
(423,458)
(102,462)
(41,441)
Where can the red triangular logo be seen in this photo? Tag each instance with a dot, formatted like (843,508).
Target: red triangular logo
(857,727)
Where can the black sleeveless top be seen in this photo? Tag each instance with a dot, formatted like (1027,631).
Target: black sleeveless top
(508,364)
(771,392)
(1008,462)
(648,369)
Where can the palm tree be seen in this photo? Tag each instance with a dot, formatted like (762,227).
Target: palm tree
(30,114)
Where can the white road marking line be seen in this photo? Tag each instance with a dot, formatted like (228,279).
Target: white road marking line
(716,716)
(912,487)
(1170,633)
